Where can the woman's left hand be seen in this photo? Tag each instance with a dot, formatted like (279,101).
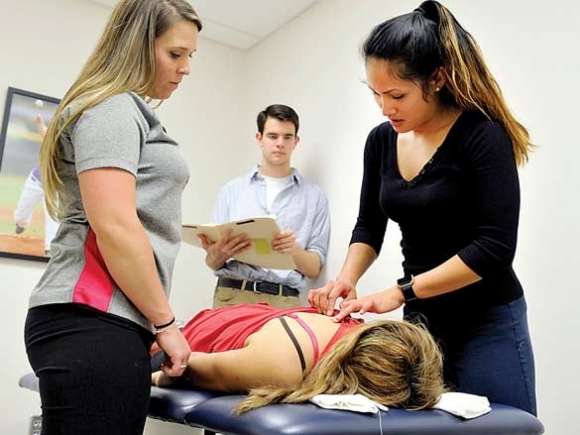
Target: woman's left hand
(381,302)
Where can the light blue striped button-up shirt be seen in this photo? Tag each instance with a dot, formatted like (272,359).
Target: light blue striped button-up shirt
(301,207)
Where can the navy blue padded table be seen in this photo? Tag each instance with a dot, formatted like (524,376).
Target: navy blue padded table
(212,412)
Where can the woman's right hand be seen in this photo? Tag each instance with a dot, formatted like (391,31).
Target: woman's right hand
(324,298)
(176,348)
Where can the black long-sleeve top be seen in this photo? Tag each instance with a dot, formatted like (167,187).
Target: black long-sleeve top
(465,201)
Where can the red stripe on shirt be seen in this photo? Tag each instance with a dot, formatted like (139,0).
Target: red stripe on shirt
(95,286)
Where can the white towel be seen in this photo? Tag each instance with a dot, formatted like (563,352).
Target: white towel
(459,404)
(463,405)
(348,402)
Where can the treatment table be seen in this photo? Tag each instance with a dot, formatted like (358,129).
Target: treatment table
(212,412)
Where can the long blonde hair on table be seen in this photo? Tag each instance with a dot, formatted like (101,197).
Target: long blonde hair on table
(394,363)
(122,61)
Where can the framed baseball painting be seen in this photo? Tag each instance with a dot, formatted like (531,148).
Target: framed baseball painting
(26,230)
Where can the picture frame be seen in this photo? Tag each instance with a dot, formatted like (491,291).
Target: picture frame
(25,228)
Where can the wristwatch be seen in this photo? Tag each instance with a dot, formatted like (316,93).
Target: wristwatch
(406,286)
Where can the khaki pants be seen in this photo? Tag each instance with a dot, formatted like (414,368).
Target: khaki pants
(224,296)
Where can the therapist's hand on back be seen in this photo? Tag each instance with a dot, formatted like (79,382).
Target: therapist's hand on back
(324,298)
(381,302)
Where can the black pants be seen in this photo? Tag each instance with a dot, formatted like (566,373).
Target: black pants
(94,370)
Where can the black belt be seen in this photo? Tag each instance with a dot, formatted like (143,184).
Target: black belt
(258,286)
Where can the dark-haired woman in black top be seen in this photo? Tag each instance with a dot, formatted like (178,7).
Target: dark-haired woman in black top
(444,167)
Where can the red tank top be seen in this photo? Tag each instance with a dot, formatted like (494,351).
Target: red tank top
(227,328)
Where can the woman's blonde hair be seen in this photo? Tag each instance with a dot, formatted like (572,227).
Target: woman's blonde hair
(122,61)
(394,363)
(429,38)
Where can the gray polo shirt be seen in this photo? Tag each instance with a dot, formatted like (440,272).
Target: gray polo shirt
(121,132)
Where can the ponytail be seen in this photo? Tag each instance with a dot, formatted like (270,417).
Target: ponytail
(429,38)
(469,80)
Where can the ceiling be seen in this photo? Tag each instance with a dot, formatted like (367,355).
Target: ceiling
(241,23)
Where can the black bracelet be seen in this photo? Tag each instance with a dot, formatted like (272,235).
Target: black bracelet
(158,328)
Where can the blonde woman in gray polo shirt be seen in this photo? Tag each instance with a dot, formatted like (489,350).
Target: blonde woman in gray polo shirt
(114,179)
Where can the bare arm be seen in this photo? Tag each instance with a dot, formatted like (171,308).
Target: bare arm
(307,263)
(358,259)
(109,200)
(235,371)
(451,275)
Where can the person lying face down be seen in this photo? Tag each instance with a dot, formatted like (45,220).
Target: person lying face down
(291,355)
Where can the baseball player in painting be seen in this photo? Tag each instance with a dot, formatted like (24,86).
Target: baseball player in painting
(33,193)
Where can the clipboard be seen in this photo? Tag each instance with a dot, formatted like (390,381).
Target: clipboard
(260,229)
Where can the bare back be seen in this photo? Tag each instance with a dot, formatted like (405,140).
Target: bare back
(268,357)
(274,346)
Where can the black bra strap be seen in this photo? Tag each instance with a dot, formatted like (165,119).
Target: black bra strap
(294,342)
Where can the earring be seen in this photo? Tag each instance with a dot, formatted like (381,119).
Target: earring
(437,89)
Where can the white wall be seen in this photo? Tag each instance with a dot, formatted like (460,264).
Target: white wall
(313,64)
